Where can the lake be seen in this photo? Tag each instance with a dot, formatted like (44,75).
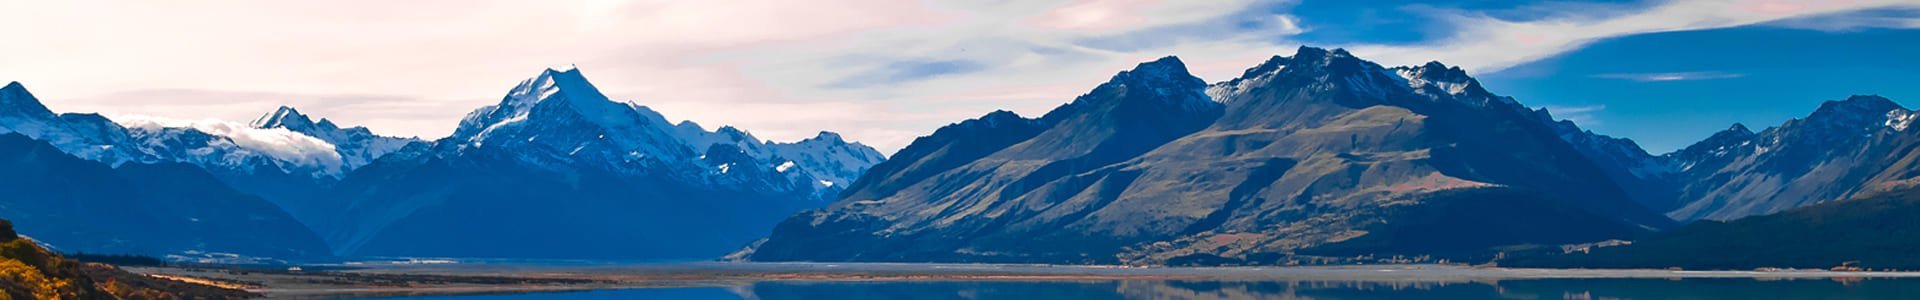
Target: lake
(1585,288)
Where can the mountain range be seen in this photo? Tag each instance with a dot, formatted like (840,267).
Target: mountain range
(28,271)
(1873,231)
(1319,151)
(1313,157)
(556,168)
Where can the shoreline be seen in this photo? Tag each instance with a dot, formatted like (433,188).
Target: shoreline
(463,279)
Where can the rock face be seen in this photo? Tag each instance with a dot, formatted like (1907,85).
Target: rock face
(84,135)
(557,170)
(162,209)
(1318,153)
(6,231)
(285,157)
(282,142)
(302,193)
(1875,231)
(1843,149)
(357,146)
(28,271)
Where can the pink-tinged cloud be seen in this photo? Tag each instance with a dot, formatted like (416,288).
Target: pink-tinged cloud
(1777,7)
(412,68)
(1096,16)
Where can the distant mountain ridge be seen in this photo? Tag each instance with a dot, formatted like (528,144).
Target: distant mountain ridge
(1315,153)
(1369,160)
(357,146)
(307,149)
(554,155)
(1307,156)
(161,209)
(1874,231)
(33,272)
(561,171)
(1843,149)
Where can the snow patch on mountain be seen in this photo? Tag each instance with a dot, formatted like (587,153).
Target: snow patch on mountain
(1900,119)
(357,146)
(559,117)
(279,143)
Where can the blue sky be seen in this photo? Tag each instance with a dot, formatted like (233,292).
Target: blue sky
(1756,75)
(1665,90)
(883,72)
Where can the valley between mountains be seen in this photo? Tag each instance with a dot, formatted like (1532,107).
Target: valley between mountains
(1311,157)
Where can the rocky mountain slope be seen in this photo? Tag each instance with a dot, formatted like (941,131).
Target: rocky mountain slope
(1843,149)
(357,146)
(1318,153)
(318,150)
(1875,231)
(160,209)
(28,271)
(572,173)
(558,170)
(284,157)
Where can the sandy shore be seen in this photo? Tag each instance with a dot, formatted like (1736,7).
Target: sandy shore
(391,280)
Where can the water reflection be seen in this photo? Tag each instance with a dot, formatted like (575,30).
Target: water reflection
(1695,288)
(1704,288)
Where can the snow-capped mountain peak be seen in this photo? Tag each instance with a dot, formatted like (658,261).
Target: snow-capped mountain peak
(285,116)
(1167,78)
(223,145)
(1739,128)
(16,101)
(559,109)
(1856,112)
(831,160)
(1437,76)
(558,117)
(1900,119)
(356,146)
(84,135)
(827,137)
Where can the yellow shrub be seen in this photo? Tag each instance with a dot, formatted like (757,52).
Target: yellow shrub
(38,284)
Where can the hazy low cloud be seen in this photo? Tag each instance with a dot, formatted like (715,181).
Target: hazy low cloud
(1676,76)
(385,114)
(279,143)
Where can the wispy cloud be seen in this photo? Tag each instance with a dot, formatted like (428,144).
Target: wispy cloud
(1899,18)
(784,69)
(1583,115)
(1674,76)
(1487,43)
(908,71)
(883,73)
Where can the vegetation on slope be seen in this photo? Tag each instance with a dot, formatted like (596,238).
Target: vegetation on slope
(1873,232)
(28,271)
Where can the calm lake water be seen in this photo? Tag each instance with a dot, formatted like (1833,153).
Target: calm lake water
(1692,288)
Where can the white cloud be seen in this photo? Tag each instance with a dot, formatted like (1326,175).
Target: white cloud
(1672,76)
(413,68)
(278,143)
(1843,22)
(1583,115)
(1489,44)
(778,68)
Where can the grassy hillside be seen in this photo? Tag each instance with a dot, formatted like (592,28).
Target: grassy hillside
(1875,232)
(28,271)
